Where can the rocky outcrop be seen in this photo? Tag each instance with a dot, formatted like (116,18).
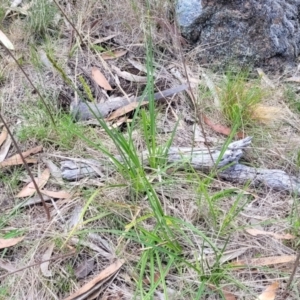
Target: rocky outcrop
(261,33)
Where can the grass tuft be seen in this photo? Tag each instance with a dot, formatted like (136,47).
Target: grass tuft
(38,126)
(41,17)
(238,96)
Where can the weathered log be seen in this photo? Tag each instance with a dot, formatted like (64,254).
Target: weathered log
(200,159)
(274,179)
(86,111)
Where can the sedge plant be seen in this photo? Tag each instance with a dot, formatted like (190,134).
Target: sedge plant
(238,96)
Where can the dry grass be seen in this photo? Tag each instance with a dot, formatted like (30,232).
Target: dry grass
(207,217)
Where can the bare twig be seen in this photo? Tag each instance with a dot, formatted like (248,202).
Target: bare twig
(31,83)
(65,15)
(36,264)
(296,264)
(26,166)
(86,111)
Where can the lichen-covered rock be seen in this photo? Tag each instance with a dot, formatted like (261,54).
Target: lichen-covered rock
(188,13)
(262,33)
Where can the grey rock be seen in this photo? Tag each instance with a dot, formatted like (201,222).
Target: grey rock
(188,13)
(263,33)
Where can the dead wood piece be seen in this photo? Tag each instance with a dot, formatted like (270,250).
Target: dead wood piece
(75,170)
(86,111)
(207,159)
(274,179)
(203,159)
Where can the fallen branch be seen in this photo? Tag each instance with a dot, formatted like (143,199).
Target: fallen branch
(199,159)
(274,179)
(86,111)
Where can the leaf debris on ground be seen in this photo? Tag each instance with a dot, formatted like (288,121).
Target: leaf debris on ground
(184,233)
